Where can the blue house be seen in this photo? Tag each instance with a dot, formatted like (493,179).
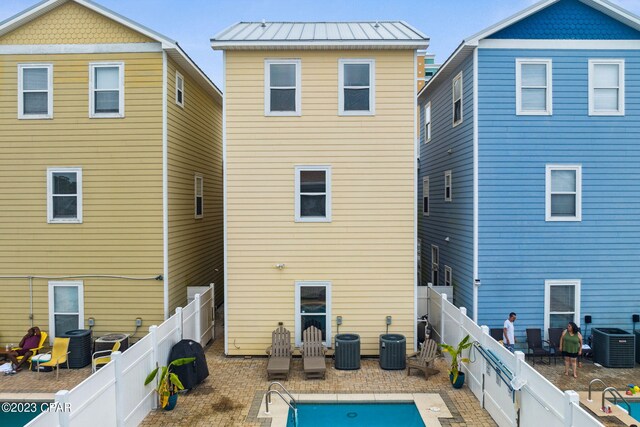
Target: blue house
(530,168)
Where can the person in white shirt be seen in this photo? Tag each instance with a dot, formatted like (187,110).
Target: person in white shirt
(508,332)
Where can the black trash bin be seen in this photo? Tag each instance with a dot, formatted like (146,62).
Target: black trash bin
(347,353)
(192,374)
(393,351)
(80,343)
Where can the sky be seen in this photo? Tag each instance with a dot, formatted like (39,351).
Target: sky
(194,22)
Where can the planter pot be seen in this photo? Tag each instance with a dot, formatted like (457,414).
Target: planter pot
(173,401)
(459,382)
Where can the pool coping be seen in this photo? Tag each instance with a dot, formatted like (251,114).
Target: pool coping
(617,412)
(27,397)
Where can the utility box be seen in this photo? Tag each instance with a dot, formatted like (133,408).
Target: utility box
(393,351)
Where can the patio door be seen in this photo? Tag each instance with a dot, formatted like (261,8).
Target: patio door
(313,308)
(66,307)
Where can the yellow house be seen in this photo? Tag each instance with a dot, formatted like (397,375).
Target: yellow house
(320,180)
(110,173)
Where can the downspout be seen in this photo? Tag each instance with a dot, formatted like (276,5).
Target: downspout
(416,147)
(224,201)
(476,279)
(31,300)
(165,190)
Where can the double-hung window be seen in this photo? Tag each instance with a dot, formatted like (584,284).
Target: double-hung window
(561,303)
(356,81)
(199,196)
(606,87)
(448,276)
(425,196)
(447,186)
(427,122)
(35,91)
(313,194)
(435,264)
(282,91)
(179,90)
(64,195)
(106,89)
(457,99)
(534,94)
(66,307)
(564,193)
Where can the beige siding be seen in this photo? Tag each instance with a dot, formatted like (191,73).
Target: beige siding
(195,147)
(367,251)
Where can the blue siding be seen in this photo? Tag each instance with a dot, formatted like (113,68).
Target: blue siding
(518,249)
(567,20)
(449,219)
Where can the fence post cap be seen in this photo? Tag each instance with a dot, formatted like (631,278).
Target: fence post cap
(153,328)
(62,393)
(519,354)
(572,396)
(485,329)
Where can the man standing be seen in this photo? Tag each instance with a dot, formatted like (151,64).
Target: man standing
(508,332)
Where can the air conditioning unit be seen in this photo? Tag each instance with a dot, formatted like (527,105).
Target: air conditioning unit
(614,348)
(107,342)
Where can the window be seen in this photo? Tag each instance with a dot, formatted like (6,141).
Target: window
(534,87)
(561,303)
(106,90)
(66,307)
(179,89)
(606,87)
(427,122)
(64,195)
(313,308)
(35,91)
(425,196)
(564,193)
(435,264)
(457,99)
(313,194)
(419,261)
(356,78)
(447,276)
(447,186)
(199,198)
(282,91)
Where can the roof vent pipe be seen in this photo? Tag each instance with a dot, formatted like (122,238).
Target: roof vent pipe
(264,24)
(377,25)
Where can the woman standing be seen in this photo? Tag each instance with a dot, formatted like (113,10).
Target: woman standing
(571,347)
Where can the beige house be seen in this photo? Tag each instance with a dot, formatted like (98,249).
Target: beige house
(320,180)
(110,172)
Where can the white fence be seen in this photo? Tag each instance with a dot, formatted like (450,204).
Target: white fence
(100,399)
(493,372)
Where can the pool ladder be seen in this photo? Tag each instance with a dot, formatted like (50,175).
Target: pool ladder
(612,390)
(291,402)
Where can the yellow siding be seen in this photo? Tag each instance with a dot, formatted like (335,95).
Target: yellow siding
(72,23)
(121,161)
(367,251)
(195,147)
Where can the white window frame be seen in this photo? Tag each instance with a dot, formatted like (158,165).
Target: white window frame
(453,97)
(427,122)
(327,170)
(52,324)
(92,68)
(372,87)
(547,300)
(621,87)
(298,318)
(435,266)
(448,276)
(198,188)
(447,174)
(426,193)
(267,87)
(50,218)
(578,192)
(179,78)
(21,91)
(548,111)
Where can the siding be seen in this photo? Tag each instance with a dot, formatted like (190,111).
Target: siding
(195,146)
(367,251)
(449,219)
(518,249)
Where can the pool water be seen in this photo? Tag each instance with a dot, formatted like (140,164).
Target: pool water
(635,408)
(357,414)
(17,419)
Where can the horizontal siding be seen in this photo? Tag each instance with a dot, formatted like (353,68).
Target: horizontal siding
(367,250)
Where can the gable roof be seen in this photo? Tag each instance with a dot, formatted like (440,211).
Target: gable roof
(170,46)
(324,35)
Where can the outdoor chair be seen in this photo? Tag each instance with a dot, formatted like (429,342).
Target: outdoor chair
(280,353)
(102,357)
(496,334)
(34,351)
(59,355)
(313,352)
(535,345)
(554,342)
(424,360)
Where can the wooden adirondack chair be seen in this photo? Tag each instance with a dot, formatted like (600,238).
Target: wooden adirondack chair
(313,352)
(424,360)
(280,353)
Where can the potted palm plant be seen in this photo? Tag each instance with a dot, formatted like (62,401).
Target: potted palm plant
(168,383)
(457,377)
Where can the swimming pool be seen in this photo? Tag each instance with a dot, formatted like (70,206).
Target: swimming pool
(17,418)
(349,414)
(635,408)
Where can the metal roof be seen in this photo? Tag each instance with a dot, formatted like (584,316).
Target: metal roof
(339,35)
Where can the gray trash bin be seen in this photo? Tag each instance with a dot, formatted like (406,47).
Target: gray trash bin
(347,352)
(393,351)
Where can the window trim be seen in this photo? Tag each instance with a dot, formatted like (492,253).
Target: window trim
(267,87)
(448,271)
(197,177)
(21,114)
(70,283)
(50,218)
(453,97)
(298,324)
(372,87)
(92,113)
(621,87)
(428,127)
(179,78)
(327,170)
(426,190)
(549,87)
(547,299)
(448,174)
(578,216)
(435,267)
